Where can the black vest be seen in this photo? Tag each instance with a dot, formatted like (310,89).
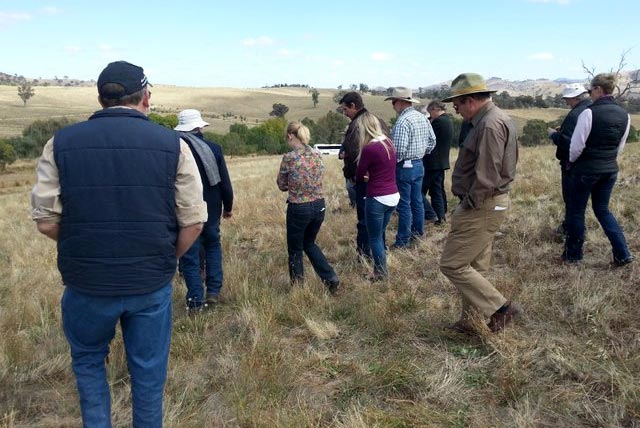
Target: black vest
(119,227)
(608,125)
(563,137)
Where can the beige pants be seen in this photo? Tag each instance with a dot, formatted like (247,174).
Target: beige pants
(467,255)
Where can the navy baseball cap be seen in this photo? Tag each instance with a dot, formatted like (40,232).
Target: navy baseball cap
(129,76)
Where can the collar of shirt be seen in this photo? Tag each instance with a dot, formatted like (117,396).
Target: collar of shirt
(482,113)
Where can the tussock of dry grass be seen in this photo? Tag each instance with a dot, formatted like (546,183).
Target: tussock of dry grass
(376,355)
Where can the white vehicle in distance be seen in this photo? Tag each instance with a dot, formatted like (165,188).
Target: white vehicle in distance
(328,149)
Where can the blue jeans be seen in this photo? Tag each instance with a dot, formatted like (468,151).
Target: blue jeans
(351,191)
(89,323)
(411,205)
(599,187)
(378,216)
(209,240)
(303,224)
(362,237)
(433,183)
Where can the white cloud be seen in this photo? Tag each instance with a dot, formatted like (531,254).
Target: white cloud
(72,49)
(381,56)
(258,41)
(50,10)
(542,56)
(550,1)
(105,48)
(9,18)
(285,52)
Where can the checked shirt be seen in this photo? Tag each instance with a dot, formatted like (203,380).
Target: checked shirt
(412,135)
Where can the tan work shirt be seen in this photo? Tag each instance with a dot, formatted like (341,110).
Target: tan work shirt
(486,163)
(190,207)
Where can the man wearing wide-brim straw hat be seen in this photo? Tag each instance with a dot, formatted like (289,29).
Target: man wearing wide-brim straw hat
(485,167)
(413,137)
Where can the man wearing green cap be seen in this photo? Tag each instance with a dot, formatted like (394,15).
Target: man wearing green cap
(485,167)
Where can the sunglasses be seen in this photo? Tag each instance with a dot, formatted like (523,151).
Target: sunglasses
(457,104)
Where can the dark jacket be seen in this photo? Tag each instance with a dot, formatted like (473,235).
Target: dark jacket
(119,227)
(608,125)
(222,193)
(351,145)
(562,138)
(439,156)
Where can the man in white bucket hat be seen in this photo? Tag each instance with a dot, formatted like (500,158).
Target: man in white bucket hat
(217,193)
(575,96)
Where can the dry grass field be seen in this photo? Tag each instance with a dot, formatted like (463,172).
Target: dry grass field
(373,356)
(78,103)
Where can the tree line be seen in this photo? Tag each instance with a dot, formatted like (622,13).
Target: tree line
(264,138)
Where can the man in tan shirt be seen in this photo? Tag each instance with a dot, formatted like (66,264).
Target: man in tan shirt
(122,197)
(485,167)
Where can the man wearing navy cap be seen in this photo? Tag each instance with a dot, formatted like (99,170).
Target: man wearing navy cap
(122,197)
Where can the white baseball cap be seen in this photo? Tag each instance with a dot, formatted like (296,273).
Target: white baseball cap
(573,90)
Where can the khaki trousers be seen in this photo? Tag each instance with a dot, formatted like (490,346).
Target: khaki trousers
(467,255)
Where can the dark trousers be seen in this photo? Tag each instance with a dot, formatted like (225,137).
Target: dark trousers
(362,237)
(599,188)
(566,193)
(208,248)
(303,224)
(433,184)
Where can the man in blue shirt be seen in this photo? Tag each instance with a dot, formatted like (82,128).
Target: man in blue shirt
(413,137)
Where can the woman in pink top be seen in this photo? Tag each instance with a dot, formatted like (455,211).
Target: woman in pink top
(377,166)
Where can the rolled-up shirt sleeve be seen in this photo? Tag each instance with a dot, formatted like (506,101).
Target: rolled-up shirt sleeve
(190,207)
(46,205)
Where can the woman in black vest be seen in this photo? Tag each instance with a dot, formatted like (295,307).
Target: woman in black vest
(599,136)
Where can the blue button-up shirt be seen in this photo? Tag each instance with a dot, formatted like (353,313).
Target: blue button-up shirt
(412,135)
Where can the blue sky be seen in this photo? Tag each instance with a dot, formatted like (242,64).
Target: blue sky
(321,43)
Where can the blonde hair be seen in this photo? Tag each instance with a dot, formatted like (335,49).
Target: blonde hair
(369,128)
(298,130)
(607,81)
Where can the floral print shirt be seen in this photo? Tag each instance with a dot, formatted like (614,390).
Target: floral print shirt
(300,174)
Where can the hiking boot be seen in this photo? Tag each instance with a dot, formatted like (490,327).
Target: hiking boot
(464,326)
(212,299)
(503,316)
(622,262)
(195,310)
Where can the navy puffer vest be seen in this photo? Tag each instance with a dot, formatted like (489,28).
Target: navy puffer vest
(608,125)
(119,228)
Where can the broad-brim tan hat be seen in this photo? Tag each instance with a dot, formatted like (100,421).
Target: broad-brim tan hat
(467,84)
(402,93)
(190,119)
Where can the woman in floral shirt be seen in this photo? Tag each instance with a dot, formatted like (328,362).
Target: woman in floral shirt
(300,174)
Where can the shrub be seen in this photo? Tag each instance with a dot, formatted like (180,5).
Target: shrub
(535,133)
(7,155)
(35,136)
(168,120)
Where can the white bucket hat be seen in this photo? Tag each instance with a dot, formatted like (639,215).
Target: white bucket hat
(402,93)
(190,119)
(573,90)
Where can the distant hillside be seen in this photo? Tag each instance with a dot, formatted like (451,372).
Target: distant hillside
(15,80)
(544,87)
